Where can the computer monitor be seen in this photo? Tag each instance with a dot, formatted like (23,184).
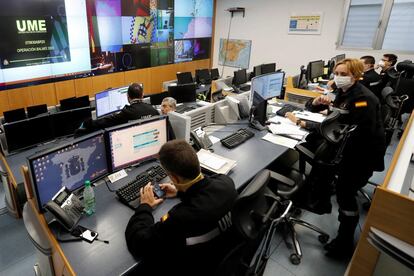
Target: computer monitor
(14,115)
(240,77)
(315,69)
(110,101)
(156,99)
(181,124)
(258,111)
(68,165)
(29,132)
(184,93)
(268,68)
(268,86)
(74,102)
(203,76)
(66,122)
(184,78)
(340,57)
(214,73)
(34,110)
(136,142)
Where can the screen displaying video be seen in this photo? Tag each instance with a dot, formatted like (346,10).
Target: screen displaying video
(49,40)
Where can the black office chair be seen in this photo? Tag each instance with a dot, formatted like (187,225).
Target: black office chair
(299,186)
(255,215)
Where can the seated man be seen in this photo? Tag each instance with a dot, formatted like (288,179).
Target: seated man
(134,111)
(189,239)
(168,104)
(389,74)
(370,79)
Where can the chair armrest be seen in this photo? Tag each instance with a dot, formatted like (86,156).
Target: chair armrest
(283,179)
(305,152)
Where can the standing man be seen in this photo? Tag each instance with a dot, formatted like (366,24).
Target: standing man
(389,74)
(191,238)
(134,111)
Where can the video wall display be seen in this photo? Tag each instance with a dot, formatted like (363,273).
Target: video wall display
(49,40)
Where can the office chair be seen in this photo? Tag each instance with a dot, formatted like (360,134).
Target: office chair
(254,216)
(324,161)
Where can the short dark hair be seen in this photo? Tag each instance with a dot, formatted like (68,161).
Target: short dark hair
(368,59)
(178,157)
(135,91)
(391,58)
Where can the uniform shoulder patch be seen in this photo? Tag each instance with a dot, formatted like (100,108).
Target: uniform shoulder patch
(165,217)
(361,104)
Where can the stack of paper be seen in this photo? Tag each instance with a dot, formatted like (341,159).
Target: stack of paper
(310,116)
(214,162)
(288,130)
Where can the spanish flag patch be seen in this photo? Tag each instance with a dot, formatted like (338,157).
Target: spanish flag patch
(361,104)
(164,217)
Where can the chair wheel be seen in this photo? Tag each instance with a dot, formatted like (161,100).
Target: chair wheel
(366,205)
(294,259)
(323,238)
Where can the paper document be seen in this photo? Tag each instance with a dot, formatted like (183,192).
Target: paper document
(214,139)
(288,129)
(214,162)
(310,116)
(118,175)
(279,140)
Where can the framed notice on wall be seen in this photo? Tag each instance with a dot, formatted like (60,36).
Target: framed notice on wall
(305,23)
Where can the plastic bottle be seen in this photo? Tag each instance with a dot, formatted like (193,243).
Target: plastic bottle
(89,199)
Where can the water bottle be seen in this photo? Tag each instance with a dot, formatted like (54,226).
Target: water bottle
(89,199)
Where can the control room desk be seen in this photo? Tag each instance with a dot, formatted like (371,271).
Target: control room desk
(112,217)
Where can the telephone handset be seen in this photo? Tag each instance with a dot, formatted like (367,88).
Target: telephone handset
(199,139)
(66,208)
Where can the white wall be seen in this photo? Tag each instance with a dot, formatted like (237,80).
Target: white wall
(266,24)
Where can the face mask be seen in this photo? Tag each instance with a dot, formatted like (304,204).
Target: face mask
(343,82)
(381,63)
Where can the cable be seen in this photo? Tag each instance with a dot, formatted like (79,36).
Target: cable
(107,186)
(227,47)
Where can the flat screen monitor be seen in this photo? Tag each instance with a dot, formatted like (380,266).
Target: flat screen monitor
(315,69)
(136,142)
(14,115)
(156,99)
(340,57)
(33,111)
(268,68)
(240,77)
(29,132)
(74,102)
(66,122)
(258,112)
(214,73)
(268,86)
(110,101)
(185,93)
(68,165)
(184,78)
(203,76)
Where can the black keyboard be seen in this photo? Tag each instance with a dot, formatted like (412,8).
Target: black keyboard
(129,194)
(244,87)
(237,138)
(287,108)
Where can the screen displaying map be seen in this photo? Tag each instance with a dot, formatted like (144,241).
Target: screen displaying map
(235,53)
(69,166)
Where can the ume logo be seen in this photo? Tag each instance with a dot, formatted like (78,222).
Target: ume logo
(31,26)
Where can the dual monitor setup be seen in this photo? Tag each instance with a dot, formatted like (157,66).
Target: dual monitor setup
(202,76)
(94,156)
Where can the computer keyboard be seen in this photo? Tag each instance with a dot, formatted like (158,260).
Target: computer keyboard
(129,194)
(287,108)
(237,138)
(184,108)
(244,87)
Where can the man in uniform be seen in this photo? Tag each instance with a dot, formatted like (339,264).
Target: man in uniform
(189,239)
(389,74)
(134,111)
(371,79)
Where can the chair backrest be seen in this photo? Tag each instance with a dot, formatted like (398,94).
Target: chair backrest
(252,216)
(405,86)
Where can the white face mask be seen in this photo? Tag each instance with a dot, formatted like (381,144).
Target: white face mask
(381,63)
(343,82)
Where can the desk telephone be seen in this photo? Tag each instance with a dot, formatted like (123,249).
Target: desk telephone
(66,208)
(199,139)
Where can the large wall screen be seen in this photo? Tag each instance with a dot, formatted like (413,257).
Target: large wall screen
(49,40)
